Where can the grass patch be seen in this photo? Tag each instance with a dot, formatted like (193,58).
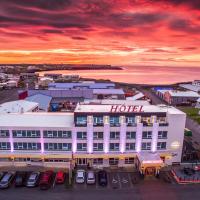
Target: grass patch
(191,112)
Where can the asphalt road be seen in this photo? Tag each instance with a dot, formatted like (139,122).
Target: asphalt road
(147,190)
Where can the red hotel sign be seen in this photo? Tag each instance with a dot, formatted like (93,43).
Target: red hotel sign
(125,109)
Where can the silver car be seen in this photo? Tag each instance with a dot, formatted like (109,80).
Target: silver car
(80,176)
(33,179)
(6,180)
(91,177)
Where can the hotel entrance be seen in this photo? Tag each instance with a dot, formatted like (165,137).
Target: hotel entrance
(150,171)
(149,164)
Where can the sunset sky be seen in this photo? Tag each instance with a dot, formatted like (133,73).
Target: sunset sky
(117,32)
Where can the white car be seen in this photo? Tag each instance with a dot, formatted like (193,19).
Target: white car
(91,177)
(80,176)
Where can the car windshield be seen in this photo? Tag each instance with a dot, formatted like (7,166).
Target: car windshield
(3,182)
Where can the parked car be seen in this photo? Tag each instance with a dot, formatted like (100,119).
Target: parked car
(33,179)
(102,178)
(1,175)
(91,177)
(20,179)
(80,176)
(46,180)
(7,180)
(60,177)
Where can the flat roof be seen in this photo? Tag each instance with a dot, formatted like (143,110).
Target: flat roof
(37,120)
(91,85)
(116,102)
(41,99)
(18,106)
(192,87)
(89,108)
(108,91)
(177,93)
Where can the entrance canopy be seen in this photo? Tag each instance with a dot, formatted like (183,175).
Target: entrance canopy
(149,158)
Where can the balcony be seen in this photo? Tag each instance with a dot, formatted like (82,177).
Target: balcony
(81,124)
(146,123)
(115,124)
(98,124)
(131,124)
(163,124)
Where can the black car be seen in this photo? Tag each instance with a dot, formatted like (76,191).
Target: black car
(20,179)
(102,178)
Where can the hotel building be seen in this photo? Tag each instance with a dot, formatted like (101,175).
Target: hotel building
(147,137)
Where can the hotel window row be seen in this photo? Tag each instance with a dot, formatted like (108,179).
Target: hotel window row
(80,135)
(27,146)
(57,134)
(80,146)
(58,146)
(115,120)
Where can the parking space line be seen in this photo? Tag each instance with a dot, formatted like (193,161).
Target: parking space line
(130,180)
(119,181)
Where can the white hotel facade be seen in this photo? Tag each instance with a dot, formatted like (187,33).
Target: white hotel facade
(147,137)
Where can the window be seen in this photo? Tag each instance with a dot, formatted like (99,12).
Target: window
(129,160)
(81,135)
(146,135)
(130,146)
(57,134)
(26,133)
(113,161)
(162,134)
(98,161)
(130,121)
(27,146)
(81,146)
(98,146)
(114,146)
(4,146)
(146,145)
(58,146)
(114,121)
(4,133)
(114,135)
(82,120)
(98,135)
(130,135)
(161,145)
(98,120)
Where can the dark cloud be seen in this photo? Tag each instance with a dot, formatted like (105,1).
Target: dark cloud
(195,4)
(40,4)
(159,50)
(184,26)
(135,19)
(188,48)
(79,38)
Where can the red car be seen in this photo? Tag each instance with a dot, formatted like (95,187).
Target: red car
(46,180)
(60,177)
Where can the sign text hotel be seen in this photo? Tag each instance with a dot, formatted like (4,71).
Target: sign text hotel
(126,109)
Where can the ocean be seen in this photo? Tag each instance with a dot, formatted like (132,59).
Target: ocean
(140,74)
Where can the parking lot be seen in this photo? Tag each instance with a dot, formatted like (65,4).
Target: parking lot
(116,180)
